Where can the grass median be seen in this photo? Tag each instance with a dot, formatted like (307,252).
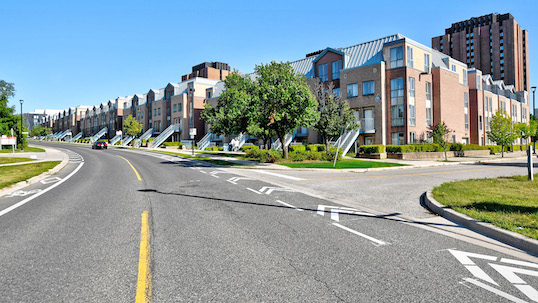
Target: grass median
(8,160)
(27,149)
(14,174)
(508,202)
(342,164)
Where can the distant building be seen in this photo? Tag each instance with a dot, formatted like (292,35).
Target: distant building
(494,44)
(38,117)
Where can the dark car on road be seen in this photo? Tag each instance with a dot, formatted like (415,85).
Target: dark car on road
(99,145)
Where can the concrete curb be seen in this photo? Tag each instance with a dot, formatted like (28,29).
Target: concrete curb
(22,184)
(517,240)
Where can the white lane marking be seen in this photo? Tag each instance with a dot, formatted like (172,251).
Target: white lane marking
(22,193)
(510,274)
(253,190)
(278,175)
(269,189)
(529,291)
(494,290)
(378,242)
(216,172)
(335,211)
(14,206)
(465,259)
(234,180)
(288,205)
(516,262)
(50,180)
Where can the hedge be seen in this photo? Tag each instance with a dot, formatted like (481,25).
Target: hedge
(372,149)
(315,147)
(298,147)
(214,148)
(247,147)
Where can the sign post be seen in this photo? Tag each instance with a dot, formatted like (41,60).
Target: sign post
(192,134)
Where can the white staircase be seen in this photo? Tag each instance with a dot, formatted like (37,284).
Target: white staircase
(147,134)
(115,139)
(98,136)
(242,138)
(204,142)
(277,145)
(165,135)
(127,140)
(346,140)
(78,136)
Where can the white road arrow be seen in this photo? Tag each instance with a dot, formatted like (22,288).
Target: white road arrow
(268,190)
(510,274)
(464,258)
(215,172)
(234,180)
(335,211)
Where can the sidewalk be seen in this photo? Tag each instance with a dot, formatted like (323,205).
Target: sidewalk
(50,154)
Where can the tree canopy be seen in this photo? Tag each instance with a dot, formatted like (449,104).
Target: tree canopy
(8,119)
(440,134)
(502,130)
(131,127)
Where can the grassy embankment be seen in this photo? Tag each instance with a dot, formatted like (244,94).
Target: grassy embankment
(8,160)
(507,202)
(27,149)
(13,174)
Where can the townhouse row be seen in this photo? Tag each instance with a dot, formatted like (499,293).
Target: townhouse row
(396,87)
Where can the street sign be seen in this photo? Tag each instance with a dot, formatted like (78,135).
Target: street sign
(118,132)
(192,132)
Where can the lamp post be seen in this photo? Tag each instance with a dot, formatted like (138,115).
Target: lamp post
(22,146)
(533,89)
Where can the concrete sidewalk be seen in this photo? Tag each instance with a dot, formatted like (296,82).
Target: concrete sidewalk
(50,154)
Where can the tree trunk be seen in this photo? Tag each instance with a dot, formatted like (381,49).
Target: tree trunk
(502,151)
(446,158)
(284,147)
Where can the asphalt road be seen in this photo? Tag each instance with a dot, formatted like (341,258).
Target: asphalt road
(229,235)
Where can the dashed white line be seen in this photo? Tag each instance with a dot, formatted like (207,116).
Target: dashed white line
(289,205)
(378,242)
(494,290)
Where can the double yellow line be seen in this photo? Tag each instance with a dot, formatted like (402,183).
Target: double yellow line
(136,172)
(143,286)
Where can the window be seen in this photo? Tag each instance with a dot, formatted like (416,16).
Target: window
(412,115)
(337,66)
(466,109)
(464,77)
(453,68)
(478,82)
(159,111)
(336,92)
(323,72)
(412,137)
(175,108)
(398,139)
(352,90)
(409,56)
(397,102)
(368,88)
(208,95)
(179,107)
(155,112)
(427,63)
(428,103)
(396,57)
(480,123)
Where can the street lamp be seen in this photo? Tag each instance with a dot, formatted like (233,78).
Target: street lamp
(22,146)
(533,89)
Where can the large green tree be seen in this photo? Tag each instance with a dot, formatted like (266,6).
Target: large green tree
(8,120)
(38,131)
(502,130)
(334,113)
(441,135)
(131,127)
(285,101)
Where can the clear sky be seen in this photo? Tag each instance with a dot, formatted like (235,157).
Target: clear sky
(68,53)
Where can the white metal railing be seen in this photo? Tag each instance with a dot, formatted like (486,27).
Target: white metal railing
(346,140)
(127,140)
(101,133)
(137,143)
(147,134)
(115,139)
(78,136)
(242,138)
(165,135)
(204,142)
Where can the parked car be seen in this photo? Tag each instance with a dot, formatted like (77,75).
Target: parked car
(99,145)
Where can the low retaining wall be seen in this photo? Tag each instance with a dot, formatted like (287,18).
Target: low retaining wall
(374,156)
(438,155)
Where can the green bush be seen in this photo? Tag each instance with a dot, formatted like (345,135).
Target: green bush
(150,140)
(214,148)
(170,143)
(104,140)
(400,148)
(494,149)
(313,155)
(179,144)
(269,156)
(298,147)
(427,147)
(298,156)
(315,147)
(330,154)
(253,153)
(372,149)
(245,148)
(322,147)
(144,141)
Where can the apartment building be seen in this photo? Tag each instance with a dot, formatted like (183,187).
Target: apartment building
(495,44)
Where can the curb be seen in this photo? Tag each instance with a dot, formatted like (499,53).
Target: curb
(37,178)
(509,237)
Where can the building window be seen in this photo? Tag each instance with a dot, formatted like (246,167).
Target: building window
(155,112)
(480,122)
(478,82)
(208,95)
(179,107)
(410,56)
(336,92)
(466,109)
(412,137)
(396,57)
(412,115)
(428,104)
(453,68)
(368,88)
(337,66)
(398,139)
(427,63)
(159,111)
(352,90)
(464,77)
(323,72)
(175,108)
(397,102)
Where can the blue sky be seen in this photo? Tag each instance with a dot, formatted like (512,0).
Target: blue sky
(68,53)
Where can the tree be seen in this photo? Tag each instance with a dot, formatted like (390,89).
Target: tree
(334,113)
(38,131)
(502,130)
(523,131)
(285,101)
(441,135)
(8,120)
(131,127)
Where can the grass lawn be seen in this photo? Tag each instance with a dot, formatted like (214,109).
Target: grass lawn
(13,174)
(6,160)
(508,202)
(26,150)
(202,158)
(345,163)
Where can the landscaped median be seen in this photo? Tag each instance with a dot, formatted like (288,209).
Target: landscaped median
(9,160)
(10,175)
(27,149)
(510,203)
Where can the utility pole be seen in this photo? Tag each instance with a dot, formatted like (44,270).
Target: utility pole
(22,146)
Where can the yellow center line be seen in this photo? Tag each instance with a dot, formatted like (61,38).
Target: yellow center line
(137,175)
(405,175)
(143,286)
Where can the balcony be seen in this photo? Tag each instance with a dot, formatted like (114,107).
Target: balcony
(368,125)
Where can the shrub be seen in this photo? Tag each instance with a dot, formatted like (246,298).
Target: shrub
(298,156)
(322,147)
(400,148)
(253,153)
(247,147)
(494,149)
(315,147)
(170,143)
(372,149)
(330,154)
(150,140)
(104,140)
(214,148)
(427,147)
(144,140)
(298,147)
(269,156)
(179,144)
(313,155)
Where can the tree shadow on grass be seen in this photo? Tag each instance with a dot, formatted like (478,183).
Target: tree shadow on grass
(499,207)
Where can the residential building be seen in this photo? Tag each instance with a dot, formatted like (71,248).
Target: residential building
(495,44)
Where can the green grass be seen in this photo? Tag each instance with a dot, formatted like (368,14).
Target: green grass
(13,174)
(26,150)
(6,160)
(508,202)
(201,158)
(345,163)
